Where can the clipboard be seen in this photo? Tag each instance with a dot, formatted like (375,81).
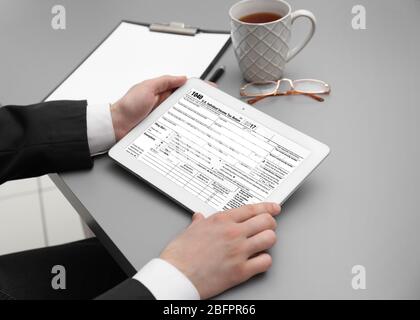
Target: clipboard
(107,72)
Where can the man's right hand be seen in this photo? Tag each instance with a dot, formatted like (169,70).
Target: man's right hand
(225,249)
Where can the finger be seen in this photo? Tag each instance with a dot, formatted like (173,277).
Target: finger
(214,84)
(163,97)
(197,217)
(259,264)
(259,223)
(251,210)
(260,242)
(165,83)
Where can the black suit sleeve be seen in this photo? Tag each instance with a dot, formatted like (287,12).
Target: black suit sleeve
(43,138)
(51,137)
(130,289)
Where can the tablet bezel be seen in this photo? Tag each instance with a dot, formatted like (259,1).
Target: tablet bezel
(318,150)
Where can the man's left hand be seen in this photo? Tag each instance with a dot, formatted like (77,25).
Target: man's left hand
(140,100)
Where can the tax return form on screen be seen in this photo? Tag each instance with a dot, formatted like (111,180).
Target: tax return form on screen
(215,153)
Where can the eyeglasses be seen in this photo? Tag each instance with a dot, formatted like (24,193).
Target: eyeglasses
(308,87)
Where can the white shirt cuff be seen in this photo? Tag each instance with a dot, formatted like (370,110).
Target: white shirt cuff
(166,282)
(100,132)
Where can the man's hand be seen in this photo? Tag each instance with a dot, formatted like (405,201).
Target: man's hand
(225,249)
(140,100)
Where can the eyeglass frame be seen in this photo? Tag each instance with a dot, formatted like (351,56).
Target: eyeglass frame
(275,92)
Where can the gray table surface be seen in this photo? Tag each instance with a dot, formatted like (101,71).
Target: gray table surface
(359,207)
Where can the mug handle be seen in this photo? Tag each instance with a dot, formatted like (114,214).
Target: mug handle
(305,14)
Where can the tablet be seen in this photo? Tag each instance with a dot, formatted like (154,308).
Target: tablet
(209,151)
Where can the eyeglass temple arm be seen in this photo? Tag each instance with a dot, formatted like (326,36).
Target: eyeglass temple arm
(311,95)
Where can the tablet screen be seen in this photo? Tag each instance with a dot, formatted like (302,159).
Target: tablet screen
(216,153)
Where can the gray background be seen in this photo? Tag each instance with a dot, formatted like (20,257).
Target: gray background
(359,207)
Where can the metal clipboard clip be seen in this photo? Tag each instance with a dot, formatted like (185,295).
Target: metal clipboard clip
(174,27)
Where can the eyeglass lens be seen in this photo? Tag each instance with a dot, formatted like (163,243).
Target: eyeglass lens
(285,85)
(310,86)
(260,89)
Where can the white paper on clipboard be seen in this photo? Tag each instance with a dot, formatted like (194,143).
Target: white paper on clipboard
(131,54)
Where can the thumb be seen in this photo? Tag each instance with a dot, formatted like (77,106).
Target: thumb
(165,83)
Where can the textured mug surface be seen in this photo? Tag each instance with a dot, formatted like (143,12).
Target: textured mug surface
(262,49)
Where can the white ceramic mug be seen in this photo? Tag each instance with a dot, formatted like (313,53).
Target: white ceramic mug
(262,49)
